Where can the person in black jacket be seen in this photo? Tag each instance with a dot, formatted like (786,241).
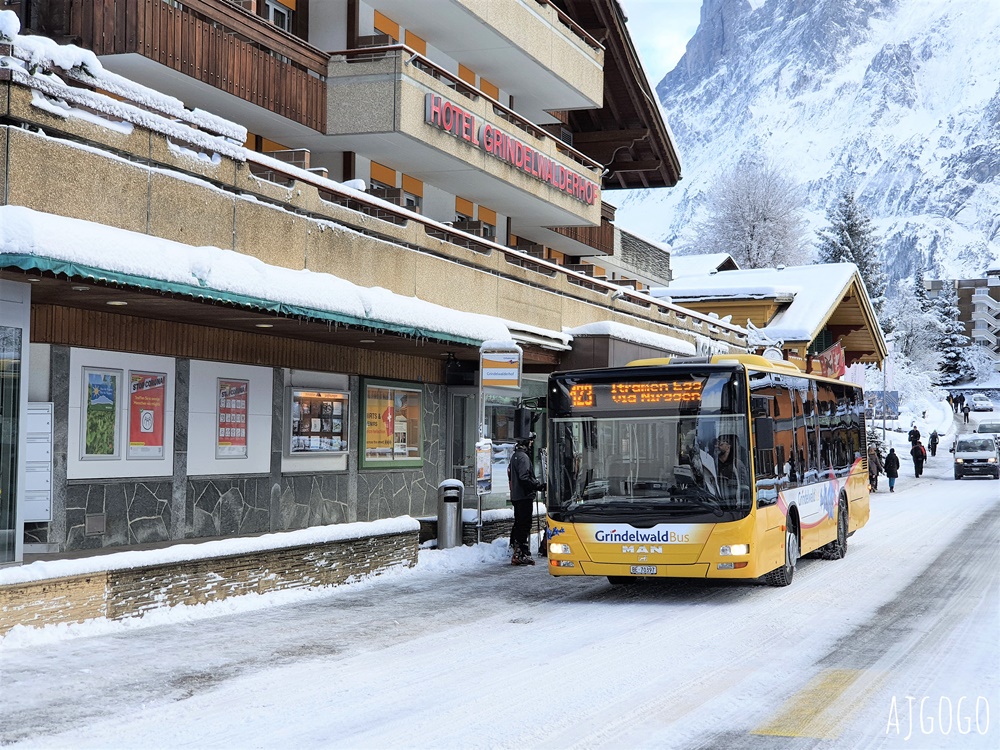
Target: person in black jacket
(919,454)
(523,487)
(892,468)
(914,435)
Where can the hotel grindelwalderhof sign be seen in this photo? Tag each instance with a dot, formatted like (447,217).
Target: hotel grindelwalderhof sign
(461,123)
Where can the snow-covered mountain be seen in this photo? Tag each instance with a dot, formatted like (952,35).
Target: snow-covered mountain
(897,99)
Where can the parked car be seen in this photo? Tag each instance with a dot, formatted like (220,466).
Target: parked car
(979,402)
(976,456)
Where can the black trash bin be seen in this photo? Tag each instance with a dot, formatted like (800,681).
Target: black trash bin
(449,518)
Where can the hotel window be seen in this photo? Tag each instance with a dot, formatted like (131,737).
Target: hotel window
(413,193)
(278,14)
(488,218)
(464,209)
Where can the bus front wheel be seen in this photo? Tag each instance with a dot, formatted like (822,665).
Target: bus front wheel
(783,575)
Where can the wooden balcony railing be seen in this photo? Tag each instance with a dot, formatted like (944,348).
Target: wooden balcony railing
(217,43)
(600,238)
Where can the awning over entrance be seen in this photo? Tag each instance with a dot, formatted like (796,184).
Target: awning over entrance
(35,242)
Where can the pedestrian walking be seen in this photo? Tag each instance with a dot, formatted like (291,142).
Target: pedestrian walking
(932,443)
(523,487)
(892,468)
(960,402)
(951,402)
(919,454)
(965,412)
(875,468)
(914,434)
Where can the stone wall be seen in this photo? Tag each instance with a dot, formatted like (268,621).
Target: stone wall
(124,593)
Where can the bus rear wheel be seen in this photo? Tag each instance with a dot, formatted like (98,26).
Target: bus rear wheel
(837,549)
(783,575)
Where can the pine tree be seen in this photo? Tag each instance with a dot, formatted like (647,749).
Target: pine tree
(920,290)
(953,343)
(850,238)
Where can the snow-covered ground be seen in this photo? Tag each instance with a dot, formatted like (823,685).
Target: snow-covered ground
(876,650)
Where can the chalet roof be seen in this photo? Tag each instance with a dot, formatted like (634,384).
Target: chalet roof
(804,300)
(629,134)
(701,265)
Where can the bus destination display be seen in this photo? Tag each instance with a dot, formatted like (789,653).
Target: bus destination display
(635,394)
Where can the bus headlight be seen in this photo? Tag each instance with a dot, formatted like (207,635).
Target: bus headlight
(559,549)
(734,549)
(959,460)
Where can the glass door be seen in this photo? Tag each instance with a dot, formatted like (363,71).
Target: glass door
(10,412)
(462,436)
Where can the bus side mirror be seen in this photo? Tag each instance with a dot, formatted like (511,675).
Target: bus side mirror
(763,433)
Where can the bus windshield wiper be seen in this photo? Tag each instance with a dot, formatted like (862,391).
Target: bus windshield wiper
(700,497)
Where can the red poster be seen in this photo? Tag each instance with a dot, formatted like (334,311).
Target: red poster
(147,398)
(231,438)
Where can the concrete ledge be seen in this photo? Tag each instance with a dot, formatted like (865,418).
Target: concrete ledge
(121,593)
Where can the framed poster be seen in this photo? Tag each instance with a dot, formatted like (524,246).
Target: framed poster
(318,419)
(99,415)
(392,427)
(147,393)
(231,432)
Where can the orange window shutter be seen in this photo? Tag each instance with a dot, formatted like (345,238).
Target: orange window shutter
(413,186)
(414,41)
(290,4)
(464,207)
(489,89)
(487,215)
(387,26)
(598,271)
(383,174)
(557,256)
(267,146)
(467,74)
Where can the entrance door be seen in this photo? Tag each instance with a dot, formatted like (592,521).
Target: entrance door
(14,308)
(462,436)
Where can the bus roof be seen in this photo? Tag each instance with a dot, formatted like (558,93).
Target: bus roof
(755,361)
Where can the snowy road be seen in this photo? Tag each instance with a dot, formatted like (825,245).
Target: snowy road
(894,646)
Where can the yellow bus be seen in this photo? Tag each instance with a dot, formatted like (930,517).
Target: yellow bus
(730,466)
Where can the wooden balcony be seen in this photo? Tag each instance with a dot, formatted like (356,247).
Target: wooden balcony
(217,43)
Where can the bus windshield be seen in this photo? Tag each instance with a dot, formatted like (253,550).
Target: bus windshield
(682,452)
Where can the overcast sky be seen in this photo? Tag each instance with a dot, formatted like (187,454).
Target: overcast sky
(660,30)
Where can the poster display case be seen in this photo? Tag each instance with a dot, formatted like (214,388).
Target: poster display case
(319,422)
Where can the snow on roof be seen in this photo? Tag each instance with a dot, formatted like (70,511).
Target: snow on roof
(814,291)
(33,54)
(635,335)
(27,232)
(696,265)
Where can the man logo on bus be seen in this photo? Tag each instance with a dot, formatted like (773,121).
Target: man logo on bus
(652,549)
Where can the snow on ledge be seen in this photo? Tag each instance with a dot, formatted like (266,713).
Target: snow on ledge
(28,232)
(634,335)
(178,553)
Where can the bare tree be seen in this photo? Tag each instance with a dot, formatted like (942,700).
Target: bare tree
(755,215)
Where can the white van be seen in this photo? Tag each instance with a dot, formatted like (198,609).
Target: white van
(976,456)
(990,428)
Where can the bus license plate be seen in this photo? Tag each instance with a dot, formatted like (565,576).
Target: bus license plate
(644,570)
